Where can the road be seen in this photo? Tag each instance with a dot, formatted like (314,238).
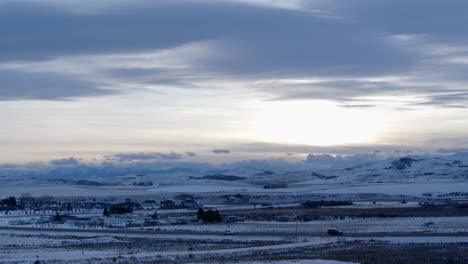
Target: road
(247,234)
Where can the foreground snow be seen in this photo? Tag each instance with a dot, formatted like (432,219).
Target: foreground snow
(295,261)
(22,246)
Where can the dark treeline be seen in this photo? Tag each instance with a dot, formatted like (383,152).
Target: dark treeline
(209,216)
(316,204)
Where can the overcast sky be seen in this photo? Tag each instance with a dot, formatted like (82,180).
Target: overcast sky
(206,80)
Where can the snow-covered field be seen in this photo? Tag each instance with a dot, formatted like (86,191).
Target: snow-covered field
(370,186)
(27,246)
(410,189)
(201,189)
(414,189)
(349,225)
(71,247)
(295,261)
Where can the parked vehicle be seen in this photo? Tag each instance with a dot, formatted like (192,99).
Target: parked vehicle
(228,233)
(334,232)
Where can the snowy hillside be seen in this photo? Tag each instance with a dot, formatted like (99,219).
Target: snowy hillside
(405,169)
(409,169)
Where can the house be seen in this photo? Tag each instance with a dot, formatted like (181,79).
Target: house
(189,204)
(43,220)
(167,204)
(136,222)
(20,222)
(65,218)
(75,223)
(150,204)
(115,222)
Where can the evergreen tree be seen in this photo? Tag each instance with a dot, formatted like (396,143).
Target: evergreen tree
(154,216)
(21,205)
(200,214)
(217,217)
(57,217)
(10,202)
(209,216)
(106,212)
(120,209)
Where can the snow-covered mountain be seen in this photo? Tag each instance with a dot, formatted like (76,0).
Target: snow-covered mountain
(403,169)
(408,169)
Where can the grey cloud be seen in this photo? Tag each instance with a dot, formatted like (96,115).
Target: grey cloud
(65,162)
(75,168)
(147,156)
(341,88)
(451,97)
(346,90)
(322,158)
(221,151)
(451,150)
(344,150)
(16,85)
(191,154)
(359,105)
(104,169)
(338,160)
(254,43)
(296,42)
(397,16)
(264,164)
(447,100)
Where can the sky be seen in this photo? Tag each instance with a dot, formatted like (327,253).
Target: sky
(223,81)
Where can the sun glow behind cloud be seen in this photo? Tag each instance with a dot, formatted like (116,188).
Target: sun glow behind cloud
(315,122)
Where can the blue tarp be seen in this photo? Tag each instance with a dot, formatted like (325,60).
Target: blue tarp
(428,224)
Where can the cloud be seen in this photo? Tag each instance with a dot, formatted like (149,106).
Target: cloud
(65,162)
(286,4)
(101,169)
(167,164)
(147,156)
(264,164)
(340,161)
(343,150)
(90,7)
(130,50)
(357,54)
(16,85)
(296,43)
(221,151)
(451,150)
(98,75)
(191,154)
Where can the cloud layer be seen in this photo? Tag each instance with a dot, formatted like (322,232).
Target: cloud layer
(340,51)
(159,70)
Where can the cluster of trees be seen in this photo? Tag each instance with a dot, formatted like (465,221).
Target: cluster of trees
(117,209)
(209,216)
(11,203)
(316,204)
